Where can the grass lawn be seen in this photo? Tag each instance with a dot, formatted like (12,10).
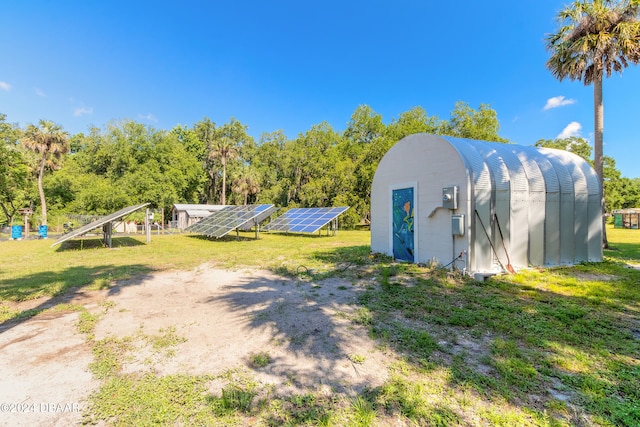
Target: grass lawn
(542,347)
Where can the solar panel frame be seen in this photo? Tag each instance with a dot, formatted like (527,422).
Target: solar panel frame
(258,219)
(305,220)
(99,223)
(230,218)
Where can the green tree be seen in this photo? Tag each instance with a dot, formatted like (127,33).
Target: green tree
(189,139)
(271,163)
(14,171)
(238,133)
(50,143)
(224,145)
(365,142)
(413,121)
(63,186)
(100,196)
(573,144)
(139,164)
(595,39)
(205,131)
(223,149)
(630,191)
(581,147)
(244,145)
(310,165)
(465,122)
(246,184)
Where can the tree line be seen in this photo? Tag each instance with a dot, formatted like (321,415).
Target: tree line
(126,163)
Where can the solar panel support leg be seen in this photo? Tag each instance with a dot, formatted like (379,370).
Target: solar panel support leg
(147,226)
(107,231)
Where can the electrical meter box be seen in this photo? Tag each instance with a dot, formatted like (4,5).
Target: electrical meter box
(450,197)
(457,225)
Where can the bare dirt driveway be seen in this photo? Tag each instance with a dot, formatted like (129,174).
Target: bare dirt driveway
(221,318)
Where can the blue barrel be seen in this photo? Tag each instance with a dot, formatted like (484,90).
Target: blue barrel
(16,232)
(42,231)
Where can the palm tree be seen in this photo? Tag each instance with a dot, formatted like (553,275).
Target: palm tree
(50,142)
(246,184)
(225,149)
(595,39)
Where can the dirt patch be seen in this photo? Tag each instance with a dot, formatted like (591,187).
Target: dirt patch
(221,317)
(594,277)
(44,367)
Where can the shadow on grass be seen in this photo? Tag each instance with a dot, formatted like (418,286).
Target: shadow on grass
(63,286)
(541,351)
(300,323)
(224,239)
(570,355)
(300,314)
(93,243)
(356,255)
(340,260)
(319,235)
(624,251)
(250,236)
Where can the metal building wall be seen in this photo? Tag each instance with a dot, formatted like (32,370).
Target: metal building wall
(520,203)
(581,213)
(536,207)
(509,240)
(546,203)
(481,256)
(587,208)
(551,206)
(595,209)
(504,206)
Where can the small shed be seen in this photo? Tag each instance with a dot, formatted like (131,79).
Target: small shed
(184,215)
(484,207)
(626,218)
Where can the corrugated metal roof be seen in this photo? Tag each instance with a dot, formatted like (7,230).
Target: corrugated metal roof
(543,200)
(208,208)
(532,170)
(565,179)
(475,163)
(546,168)
(573,165)
(193,213)
(497,166)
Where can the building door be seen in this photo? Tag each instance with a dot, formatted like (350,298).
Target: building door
(403,239)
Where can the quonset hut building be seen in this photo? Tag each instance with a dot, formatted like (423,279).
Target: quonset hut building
(484,207)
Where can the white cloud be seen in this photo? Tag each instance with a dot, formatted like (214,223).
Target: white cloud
(82,111)
(39,92)
(149,117)
(5,86)
(572,129)
(558,101)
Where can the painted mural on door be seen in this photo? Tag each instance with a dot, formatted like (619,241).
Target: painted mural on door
(403,242)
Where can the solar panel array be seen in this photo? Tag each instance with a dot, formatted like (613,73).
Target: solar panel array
(99,223)
(258,219)
(305,220)
(221,222)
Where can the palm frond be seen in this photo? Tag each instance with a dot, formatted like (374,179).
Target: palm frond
(596,38)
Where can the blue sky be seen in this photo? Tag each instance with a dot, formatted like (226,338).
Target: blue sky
(288,65)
